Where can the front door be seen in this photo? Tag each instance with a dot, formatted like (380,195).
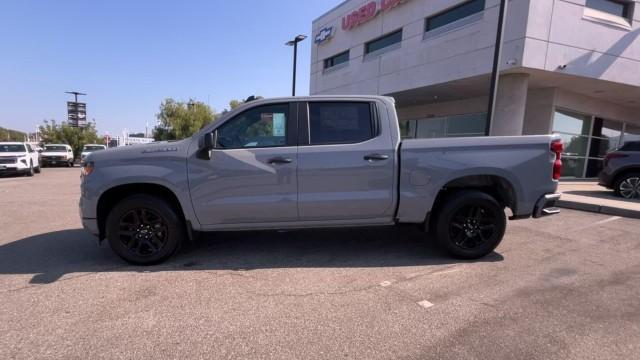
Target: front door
(251,175)
(346,164)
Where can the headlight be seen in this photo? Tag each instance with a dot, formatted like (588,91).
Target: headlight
(23,160)
(87,168)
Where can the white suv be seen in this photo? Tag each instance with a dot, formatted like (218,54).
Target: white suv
(89,148)
(57,154)
(18,158)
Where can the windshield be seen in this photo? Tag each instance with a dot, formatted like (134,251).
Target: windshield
(12,148)
(55,148)
(93,148)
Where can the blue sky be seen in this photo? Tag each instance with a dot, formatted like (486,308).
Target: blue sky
(130,55)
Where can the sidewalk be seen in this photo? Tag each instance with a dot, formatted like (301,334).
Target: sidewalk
(589,196)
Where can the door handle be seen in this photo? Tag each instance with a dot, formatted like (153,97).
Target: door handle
(376,157)
(279,161)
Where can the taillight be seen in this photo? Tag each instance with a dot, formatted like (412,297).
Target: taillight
(613,155)
(557,147)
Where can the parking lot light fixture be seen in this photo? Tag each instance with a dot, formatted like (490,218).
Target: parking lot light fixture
(294,43)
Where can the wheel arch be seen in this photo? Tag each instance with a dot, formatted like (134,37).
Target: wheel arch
(498,187)
(109,198)
(623,172)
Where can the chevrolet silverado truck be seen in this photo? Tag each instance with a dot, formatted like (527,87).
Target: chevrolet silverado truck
(316,162)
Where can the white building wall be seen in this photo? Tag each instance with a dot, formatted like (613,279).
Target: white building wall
(565,32)
(461,53)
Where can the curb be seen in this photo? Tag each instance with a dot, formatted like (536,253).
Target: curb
(607,210)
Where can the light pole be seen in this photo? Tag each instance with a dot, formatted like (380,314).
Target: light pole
(294,43)
(495,74)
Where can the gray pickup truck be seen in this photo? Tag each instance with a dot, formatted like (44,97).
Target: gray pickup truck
(316,162)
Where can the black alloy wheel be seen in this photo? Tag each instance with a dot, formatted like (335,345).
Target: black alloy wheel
(143,232)
(144,229)
(470,224)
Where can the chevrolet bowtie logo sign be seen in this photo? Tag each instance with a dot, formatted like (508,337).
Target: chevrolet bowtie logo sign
(324,35)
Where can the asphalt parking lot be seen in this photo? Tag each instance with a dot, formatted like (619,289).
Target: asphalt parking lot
(566,287)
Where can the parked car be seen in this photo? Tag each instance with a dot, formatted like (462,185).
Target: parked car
(622,171)
(18,158)
(89,148)
(57,155)
(316,162)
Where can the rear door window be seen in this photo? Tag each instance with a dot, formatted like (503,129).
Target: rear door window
(340,122)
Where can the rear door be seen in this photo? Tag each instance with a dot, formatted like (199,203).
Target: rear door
(346,162)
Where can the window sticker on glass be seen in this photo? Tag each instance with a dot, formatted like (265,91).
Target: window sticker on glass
(278,124)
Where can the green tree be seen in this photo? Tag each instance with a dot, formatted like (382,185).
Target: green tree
(53,133)
(233,104)
(11,135)
(179,120)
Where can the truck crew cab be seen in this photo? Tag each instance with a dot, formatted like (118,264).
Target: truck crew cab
(314,162)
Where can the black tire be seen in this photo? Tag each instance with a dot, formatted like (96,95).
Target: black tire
(131,230)
(37,169)
(470,224)
(31,171)
(70,164)
(628,186)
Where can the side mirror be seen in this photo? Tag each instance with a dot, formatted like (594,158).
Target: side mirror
(209,141)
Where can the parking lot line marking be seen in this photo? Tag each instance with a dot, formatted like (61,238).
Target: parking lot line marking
(613,218)
(385,283)
(425,304)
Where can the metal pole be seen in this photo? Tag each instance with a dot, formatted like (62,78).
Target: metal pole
(495,76)
(295,61)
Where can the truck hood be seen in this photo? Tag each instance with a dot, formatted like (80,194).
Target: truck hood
(139,151)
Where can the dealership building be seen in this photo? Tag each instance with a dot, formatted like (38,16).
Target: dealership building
(570,67)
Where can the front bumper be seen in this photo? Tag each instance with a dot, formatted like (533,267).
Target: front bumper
(15,168)
(546,206)
(54,161)
(91,225)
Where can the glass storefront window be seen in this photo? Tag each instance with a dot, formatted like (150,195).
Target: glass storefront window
(466,125)
(594,166)
(571,123)
(631,133)
(575,145)
(432,128)
(573,167)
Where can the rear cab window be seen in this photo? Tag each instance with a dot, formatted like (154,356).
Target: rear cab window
(341,122)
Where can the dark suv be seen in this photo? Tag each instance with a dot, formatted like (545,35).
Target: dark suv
(622,171)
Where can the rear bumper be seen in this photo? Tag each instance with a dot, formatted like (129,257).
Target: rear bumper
(605,179)
(546,206)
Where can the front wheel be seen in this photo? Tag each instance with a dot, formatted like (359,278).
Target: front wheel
(31,171)
(144,230)
(470,224)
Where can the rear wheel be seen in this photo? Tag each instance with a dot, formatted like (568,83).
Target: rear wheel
(470,224)
(144,230)
(628,186)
